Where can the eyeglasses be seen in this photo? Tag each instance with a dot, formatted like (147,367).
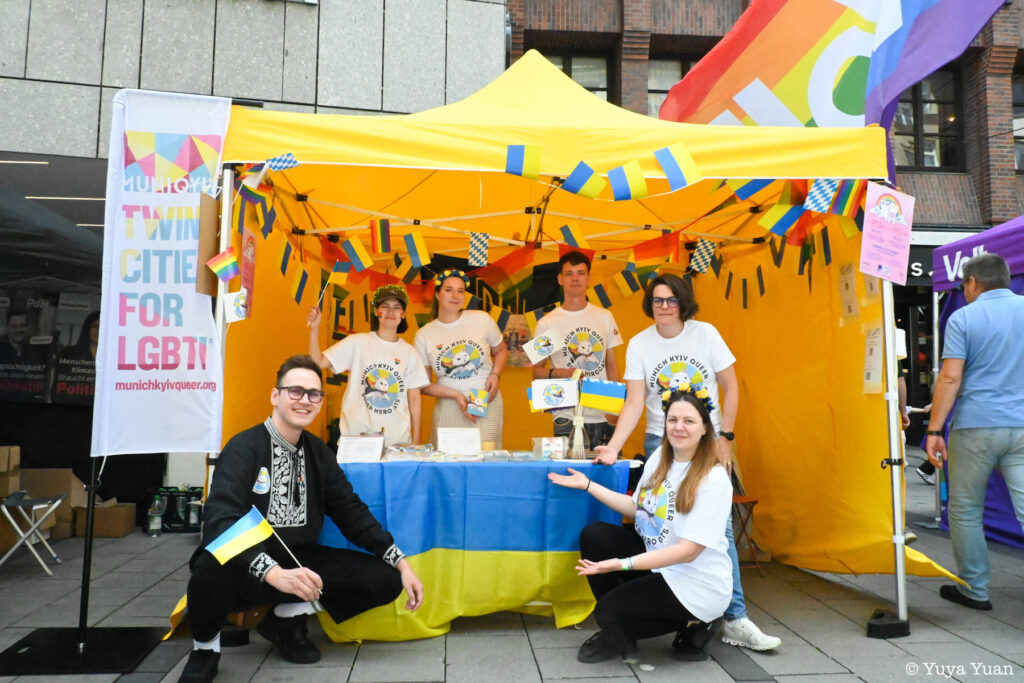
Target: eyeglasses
(296,393)
(671,301)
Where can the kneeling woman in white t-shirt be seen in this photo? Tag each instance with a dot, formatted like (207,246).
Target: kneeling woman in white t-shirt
(385,373)
(672,567)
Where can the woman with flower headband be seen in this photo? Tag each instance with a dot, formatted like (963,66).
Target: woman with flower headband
(385,374)
(671,571)
(466,352)
(678,352)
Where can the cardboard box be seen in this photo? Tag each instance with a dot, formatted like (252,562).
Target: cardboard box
(110,520)
(43,483)
(10,482)
(62,530)
(10,458)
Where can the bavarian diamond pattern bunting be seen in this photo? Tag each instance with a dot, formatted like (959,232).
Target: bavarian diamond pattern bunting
(702,255)
(819,198)
(478,247)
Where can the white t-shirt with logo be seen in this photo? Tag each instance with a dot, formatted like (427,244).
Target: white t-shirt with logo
(459,352)
(588,335)
(704,585)
(380,376)
(695,355)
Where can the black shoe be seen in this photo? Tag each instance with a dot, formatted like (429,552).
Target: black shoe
(600,648)
(952,593)
(691,644)
(201,667)
(290,638)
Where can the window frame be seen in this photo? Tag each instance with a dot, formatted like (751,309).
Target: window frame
(686,61)
(919,136)
(566,55)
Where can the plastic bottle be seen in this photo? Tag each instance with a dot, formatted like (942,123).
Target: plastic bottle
(155,521)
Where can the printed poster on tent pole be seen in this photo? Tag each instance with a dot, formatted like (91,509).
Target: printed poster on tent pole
(159,375)
(885,247)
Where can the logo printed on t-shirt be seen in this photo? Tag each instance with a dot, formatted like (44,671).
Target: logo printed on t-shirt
(381,387)
(656,507)
(584,349)
(678,371)
(459,360)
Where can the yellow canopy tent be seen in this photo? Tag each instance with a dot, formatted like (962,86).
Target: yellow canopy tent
(809,438)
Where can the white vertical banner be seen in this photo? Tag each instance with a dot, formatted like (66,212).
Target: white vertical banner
(159,376)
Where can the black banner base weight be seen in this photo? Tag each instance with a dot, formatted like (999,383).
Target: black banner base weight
(55,651)
(886,624)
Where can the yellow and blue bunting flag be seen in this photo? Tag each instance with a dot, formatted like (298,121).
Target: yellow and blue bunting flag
(573,236)
(357,254)
(584,181)
(598,295)
(286,256)
(781,217)
(242,535)
(501,316)
(418,253)
(745,189)
(299,284)
(628,181)
(679,167)
(523,160)
(627,282)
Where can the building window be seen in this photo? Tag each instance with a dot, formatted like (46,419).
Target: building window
(927,132)
(589,71)
(662,74)
(1018,121)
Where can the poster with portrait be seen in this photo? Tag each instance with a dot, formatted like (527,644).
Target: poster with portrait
(27,320)
(73,376)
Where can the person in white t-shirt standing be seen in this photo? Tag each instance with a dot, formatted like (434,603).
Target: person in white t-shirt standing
(673,566)
(385,372)
(589,335)
(678,352)
(465,351)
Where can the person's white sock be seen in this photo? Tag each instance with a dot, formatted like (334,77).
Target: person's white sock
(208,645)
(287,610)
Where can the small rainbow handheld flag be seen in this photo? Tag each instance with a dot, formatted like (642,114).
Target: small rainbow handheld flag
(523,160)
(380,236)
(252,194)
(225,264)
(628,181)
(357,254)
(242,535)
(584,182)
(573,236)
(679,167)
(418,253)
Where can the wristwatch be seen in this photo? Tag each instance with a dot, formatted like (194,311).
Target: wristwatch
(728,436)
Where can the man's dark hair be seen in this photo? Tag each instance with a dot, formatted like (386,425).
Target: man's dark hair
(573,258)
(15,311)
(295,362)
(990,271)
(680,289)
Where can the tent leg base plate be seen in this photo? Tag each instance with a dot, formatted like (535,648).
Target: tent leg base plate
(885,624)
(55,651)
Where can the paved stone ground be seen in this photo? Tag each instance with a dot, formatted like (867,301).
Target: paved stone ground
(820,618)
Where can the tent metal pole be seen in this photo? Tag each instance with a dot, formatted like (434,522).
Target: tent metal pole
(883,624)
(935,383)
(226,194)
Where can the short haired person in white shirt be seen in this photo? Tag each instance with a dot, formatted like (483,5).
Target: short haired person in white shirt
(678,351)
(385,372)
(589,335)
(673,566)
(465,351)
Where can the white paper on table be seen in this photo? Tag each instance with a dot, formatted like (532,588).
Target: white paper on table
(360,448)
(235,305)
(458,440)
(549,394)
(542,346)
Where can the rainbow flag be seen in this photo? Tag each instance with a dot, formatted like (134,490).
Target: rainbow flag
(418,254)
(339,274)
(600,394)
(584,182)
(678,164)
(598,294)
(252,194)
(848,197)
(573,236)
(357,254)
(380,236)
(628,181)
(249,530)
(523,160)
(299,284)
(225,264)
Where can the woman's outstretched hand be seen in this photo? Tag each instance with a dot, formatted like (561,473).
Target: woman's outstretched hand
(588,568)
(573,480)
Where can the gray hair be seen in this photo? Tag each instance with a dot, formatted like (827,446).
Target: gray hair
(990,271)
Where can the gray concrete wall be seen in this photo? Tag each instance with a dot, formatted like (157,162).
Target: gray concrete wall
(59,69)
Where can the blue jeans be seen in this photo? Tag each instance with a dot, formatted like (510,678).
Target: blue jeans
(737,608)
(973,454)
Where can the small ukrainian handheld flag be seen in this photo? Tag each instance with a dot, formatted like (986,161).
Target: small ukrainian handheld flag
(603,395)
(242,535)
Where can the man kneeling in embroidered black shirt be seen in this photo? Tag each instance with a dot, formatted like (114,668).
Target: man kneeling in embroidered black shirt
(292,478)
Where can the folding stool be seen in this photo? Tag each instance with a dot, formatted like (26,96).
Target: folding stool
(21,502)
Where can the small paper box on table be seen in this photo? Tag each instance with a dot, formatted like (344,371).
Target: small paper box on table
(553,394)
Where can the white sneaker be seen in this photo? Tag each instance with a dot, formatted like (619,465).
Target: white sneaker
(745,633)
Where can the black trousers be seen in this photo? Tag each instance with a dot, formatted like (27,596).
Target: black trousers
(353,583)
(630,605)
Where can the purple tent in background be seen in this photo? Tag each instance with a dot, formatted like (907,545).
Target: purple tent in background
(1007,240)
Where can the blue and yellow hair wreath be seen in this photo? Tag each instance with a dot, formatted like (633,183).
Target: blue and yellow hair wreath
(702,394)
(450,272)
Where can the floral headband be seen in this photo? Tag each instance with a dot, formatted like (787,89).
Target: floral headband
(450,272)
(668,395)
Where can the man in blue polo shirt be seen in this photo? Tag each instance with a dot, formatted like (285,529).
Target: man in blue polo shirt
(982,362)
